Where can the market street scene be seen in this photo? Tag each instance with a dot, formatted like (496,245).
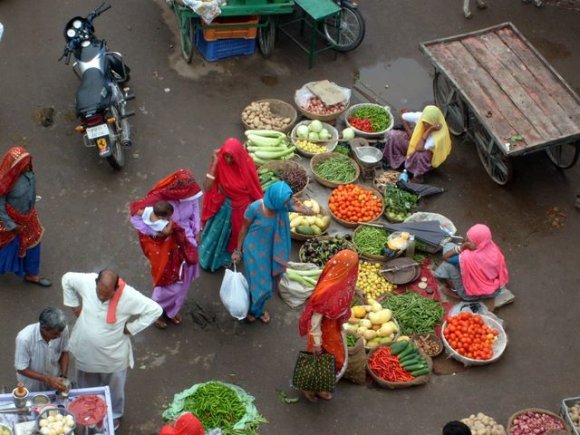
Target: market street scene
(289,216)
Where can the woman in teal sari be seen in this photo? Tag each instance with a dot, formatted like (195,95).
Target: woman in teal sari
(265,238)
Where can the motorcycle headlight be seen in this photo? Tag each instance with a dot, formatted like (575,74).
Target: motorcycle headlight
(71,33)
(77,24)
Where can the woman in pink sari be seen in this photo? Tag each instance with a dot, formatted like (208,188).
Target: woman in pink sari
(477,268)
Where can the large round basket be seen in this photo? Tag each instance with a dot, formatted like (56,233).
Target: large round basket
(419,380)
(277,108)
(371,257)
(303,237)
(330,144)
(275,165)
(498,346)
(350,224)
(302,252)
(511,420)
(319,158)
(375,134)
(433,339)
(331,117)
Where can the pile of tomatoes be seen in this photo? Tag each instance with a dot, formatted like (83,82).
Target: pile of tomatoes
(352,203)
(469,336)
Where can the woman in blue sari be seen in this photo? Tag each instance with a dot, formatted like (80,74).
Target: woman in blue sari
(265,239)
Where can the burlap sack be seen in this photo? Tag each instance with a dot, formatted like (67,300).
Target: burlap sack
(357,361)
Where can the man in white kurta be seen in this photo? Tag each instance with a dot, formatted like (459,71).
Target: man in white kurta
(109,312)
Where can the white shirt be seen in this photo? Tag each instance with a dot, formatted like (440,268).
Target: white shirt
(35,353)
(413,118)
(99,347)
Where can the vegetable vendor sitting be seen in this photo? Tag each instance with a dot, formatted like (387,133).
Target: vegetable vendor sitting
(421,148)
(476,269)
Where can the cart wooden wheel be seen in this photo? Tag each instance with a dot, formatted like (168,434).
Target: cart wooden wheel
(449,101)
(267,35)
(564,156)
(497,165)
(185,29)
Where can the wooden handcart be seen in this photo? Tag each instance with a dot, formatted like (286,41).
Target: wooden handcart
(495,86)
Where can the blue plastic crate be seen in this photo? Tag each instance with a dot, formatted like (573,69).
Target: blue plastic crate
(222,48)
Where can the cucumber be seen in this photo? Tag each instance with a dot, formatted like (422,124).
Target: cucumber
(415,367)
(421,372)
(412,355)
(398,347)
(408,350)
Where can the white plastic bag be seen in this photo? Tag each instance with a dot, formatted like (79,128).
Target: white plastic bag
(474,308)
(235,294)
(207,10)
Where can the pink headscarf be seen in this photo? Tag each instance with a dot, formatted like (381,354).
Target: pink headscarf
(483,270)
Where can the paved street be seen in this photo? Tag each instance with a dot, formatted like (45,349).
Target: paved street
(185,111)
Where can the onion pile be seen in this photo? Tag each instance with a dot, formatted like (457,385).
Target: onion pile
(535,423)
(315,105)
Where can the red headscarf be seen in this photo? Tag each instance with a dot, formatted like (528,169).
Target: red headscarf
(176,186)
(483,270)
(237,181)
(13,164)
(187,424)
(334,290)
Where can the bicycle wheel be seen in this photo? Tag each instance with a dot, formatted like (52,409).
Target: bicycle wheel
(346,30)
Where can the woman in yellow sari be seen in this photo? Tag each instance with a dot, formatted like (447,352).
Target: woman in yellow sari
(327,309)
(421,148)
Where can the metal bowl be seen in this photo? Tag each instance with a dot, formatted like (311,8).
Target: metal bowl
(368,155)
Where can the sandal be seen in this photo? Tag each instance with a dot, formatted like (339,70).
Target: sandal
(160,324)
(265,318)
(250,318)
(177,320)
(324,395)
(43,282)
(310,396)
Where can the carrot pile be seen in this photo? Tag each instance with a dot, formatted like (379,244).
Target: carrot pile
(387,366)
(354,204)
(469,336)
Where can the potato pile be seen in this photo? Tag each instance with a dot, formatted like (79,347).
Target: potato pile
(574,412)
(481,424)
(259,116)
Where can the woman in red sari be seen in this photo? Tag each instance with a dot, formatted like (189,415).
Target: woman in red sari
(231,185)
(327,309)
(172,252)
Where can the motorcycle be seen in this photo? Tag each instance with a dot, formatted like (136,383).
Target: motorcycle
(101,99)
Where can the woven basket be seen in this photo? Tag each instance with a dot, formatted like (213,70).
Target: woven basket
(419,380)
(278,108)
(434,338)
(319,158)
(510,424)
(349,224)
(301,254)
(303,237)
(330,144)
(371,257)
(499,345)
(275,165)
(326,118)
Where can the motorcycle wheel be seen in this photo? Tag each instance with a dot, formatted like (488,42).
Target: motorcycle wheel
(345,31)
(117,157)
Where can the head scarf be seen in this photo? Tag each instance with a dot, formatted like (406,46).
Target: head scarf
(177,186)
(483,270)
(13,164)
(277,198)
(432,115)
(187,424)
(334,290)
(237,181)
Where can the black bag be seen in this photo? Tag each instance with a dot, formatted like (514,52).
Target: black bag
(315,373)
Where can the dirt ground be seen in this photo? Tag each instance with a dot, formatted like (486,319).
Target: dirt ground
(185,111)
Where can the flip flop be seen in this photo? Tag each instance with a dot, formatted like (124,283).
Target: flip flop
(250,319)
(265,318)
(177,320)
(160,324)
(324,395)
(43,282)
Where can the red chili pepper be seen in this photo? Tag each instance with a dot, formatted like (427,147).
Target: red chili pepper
(387,366)
(362,124)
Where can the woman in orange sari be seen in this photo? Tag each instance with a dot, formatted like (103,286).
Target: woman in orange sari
(327,309)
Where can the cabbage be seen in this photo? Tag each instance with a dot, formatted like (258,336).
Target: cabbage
(348,134)
(315,126)
(312,136)
(324,134)
(302,131)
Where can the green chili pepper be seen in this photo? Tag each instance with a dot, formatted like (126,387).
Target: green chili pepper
(415,313)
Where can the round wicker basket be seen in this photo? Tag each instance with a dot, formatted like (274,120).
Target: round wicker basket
(433,338)
(370,257)
(419,380)
(278,108)
(303,237)
(302,252)
(331,117)
(275,165)
(499,345)
(350,224)
(375,134)
(330,144)
(510,424)
(319,158)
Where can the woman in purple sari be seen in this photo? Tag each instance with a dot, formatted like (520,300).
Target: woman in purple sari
(171,250)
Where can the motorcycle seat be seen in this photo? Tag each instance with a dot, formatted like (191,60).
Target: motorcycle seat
(93,94)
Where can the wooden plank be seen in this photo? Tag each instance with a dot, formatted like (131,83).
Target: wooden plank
(447,39)
(553,83)
(534,88)
(505,81)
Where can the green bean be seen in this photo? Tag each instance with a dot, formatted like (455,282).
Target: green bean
(371,240)
(351,340)
(339,169)
(415,313)
(378,117)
